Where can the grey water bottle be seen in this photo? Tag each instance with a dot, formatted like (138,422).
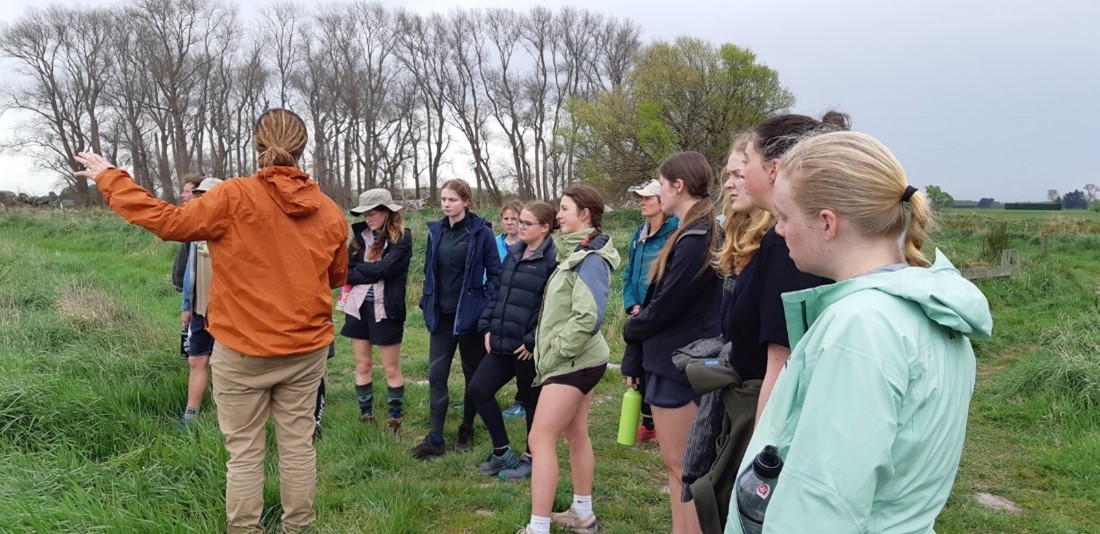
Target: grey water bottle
(754,488)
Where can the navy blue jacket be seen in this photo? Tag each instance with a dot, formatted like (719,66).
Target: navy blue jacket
(482,277)
(512,317)
(682,307)
(393,267)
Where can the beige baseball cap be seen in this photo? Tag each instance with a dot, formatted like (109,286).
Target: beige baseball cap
(207,184)
(652,189)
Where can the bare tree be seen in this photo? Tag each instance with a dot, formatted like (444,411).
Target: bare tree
(383,91)
(502,33)
(281,28)
(465,95)
(180,39)
(1090,191)
(58,51)
(423,51)
(377,40)
(128,96)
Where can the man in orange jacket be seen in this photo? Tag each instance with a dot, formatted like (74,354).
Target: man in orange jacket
(278,247)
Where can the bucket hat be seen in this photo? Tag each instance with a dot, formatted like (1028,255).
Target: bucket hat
(372,198)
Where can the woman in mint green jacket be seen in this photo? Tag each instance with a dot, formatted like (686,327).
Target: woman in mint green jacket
(869,414)
(571,356)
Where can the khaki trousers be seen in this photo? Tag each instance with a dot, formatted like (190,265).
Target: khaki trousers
(247,390)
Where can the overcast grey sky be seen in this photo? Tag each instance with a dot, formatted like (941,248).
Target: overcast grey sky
(985,99)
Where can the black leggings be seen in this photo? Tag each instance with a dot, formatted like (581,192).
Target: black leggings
(441,352)
(495,371)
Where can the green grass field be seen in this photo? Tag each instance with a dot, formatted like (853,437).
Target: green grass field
(90,389)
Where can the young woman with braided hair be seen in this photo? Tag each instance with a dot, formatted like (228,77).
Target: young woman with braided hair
(279,246)
(571,356)
(870,414)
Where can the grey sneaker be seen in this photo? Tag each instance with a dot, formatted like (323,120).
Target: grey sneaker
(465,441)
(521,471)
(568,519)
(494,464)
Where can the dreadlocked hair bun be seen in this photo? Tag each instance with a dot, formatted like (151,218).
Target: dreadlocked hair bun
(280,138)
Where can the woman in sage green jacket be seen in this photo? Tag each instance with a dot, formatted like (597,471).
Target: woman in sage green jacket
(571,356)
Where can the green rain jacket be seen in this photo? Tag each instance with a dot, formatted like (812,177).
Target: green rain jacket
(869,414)
(568,337)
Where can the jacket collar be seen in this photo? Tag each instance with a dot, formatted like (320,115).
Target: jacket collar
(519,247)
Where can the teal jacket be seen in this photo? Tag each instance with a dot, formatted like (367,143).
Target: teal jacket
(642,253)
(568,337)
(869,414)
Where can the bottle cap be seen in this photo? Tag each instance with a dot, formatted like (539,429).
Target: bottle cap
(768,464)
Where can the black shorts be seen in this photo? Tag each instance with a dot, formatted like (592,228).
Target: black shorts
(381,333)
(584,380)
(199,340)
(664,392)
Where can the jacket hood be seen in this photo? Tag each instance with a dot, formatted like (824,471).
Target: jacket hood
(293,190)
(942,293)
(571,251)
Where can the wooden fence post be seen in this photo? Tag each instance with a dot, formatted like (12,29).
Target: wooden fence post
(1011,257)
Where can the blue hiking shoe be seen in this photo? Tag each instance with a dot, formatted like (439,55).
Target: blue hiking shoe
(521,471)
(515,411)
(495,464)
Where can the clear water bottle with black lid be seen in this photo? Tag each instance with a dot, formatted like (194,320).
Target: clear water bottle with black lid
(755,486)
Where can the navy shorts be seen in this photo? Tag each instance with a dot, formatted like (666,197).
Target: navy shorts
(199,340)
(664,392)
(584,380)
(381,333)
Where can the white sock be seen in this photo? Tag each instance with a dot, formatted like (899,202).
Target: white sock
(539,525)
(582,504)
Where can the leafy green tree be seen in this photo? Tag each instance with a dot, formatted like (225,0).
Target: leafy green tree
(621,140)
(939,197)
(684,95)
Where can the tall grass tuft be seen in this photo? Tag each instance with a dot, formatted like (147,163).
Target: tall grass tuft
(1068,367)
(995,242)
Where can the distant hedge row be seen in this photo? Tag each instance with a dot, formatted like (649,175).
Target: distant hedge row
(1034,206)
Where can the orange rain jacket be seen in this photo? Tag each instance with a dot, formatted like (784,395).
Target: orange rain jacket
(278,245)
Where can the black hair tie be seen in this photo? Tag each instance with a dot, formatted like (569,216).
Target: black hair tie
(909,190)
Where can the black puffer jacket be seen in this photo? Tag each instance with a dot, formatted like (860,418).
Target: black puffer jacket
(512,316)
(393,267)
